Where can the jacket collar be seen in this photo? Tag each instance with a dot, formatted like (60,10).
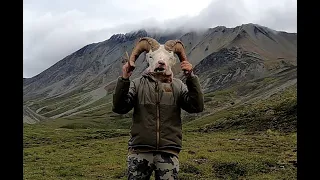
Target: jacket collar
(158,77)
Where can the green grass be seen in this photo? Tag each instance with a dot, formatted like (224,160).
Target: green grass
(53,104)
(101,154)
(74,154)
(102,117)
(50,101)
(236,155)
(220,98)
(69,107)
(276,113)
(101,101)
(221,93)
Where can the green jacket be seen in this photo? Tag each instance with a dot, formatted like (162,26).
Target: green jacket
(157,109)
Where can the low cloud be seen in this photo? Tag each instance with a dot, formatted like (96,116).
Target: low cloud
(55,29)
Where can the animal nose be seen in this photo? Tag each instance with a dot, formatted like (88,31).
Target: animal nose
(161,62)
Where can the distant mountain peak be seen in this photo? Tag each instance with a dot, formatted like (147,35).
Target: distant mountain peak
(129,36)
(139,33)
(118,38)
(219,27)
(256,27)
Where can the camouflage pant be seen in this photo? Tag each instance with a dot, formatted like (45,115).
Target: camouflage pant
(141,166)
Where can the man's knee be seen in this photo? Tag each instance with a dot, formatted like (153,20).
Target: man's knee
(167,167)
(140,165)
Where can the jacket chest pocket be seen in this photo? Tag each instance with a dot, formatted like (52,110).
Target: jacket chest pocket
(167,96)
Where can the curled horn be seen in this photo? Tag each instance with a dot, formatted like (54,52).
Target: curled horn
(144,44)
(177,47)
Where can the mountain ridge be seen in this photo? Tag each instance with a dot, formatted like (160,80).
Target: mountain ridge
(236,54)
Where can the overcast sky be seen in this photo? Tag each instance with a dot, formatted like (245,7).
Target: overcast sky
(53,29)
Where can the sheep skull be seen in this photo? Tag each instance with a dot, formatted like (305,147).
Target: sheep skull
(160,57)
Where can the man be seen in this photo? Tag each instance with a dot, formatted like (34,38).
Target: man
(157,99)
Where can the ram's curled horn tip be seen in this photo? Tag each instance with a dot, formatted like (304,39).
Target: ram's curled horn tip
(154,44)
(177,47)
(169,45)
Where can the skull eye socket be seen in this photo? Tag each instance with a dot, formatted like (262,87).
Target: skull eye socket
(149,58)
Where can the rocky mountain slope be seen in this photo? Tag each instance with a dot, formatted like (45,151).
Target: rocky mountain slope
(223,58)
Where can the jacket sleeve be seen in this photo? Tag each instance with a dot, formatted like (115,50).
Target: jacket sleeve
(124,96)
(191,98)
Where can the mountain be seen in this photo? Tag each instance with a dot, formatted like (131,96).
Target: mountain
(250,59)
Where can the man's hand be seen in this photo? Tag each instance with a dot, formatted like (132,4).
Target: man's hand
(186,67)
(126,73)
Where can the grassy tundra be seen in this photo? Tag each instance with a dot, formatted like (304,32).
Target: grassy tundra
(256,140)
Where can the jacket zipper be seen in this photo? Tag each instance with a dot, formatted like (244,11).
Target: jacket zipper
(158,115)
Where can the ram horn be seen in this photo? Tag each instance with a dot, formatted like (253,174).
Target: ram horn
(144,44)
(177,47)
